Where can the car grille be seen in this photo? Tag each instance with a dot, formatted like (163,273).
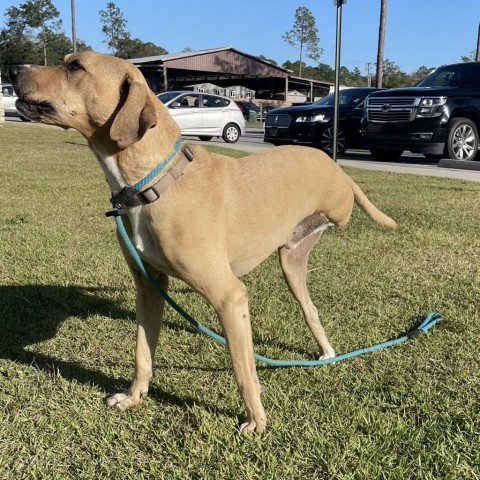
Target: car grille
(391,109)
(277,120)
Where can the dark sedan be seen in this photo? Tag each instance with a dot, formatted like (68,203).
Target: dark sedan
(312,124)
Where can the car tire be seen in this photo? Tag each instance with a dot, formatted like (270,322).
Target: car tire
(326,141)
(386,155)
(462,140)
(205,138)
(23,119)
(231,133)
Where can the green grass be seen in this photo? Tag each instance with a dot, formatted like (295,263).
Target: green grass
(67,340)
(258,125)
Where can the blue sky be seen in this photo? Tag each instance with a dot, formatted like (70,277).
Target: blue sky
(419,32)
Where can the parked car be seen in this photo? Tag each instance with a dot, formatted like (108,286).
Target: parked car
(250,110)
(205,115)
(439,117)
(9,99)
(312,124)
(264,110)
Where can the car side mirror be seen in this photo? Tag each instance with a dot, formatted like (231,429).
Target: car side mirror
(174,105)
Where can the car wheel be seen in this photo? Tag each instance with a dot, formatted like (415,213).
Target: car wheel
(23,119)
(386,155)
(231,133)
(462,140)
(326,141)
(205,138)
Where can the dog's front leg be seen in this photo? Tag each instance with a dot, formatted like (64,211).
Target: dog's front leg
(231,304)
(149,310)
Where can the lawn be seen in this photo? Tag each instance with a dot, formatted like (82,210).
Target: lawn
(68,330)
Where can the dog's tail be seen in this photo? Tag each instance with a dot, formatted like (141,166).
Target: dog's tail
(370,209)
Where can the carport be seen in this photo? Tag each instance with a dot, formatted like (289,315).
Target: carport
(224,67)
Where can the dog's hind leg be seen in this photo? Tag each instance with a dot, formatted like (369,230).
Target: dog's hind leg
(294,263)
(149,311)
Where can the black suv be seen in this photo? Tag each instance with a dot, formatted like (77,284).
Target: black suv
(440,117)
(312,124)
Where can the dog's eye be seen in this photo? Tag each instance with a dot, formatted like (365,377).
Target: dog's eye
(74,66)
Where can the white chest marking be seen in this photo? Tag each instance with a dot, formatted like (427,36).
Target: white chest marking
(142,237)
(115,178)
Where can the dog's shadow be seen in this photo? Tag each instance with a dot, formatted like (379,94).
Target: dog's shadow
(30,314)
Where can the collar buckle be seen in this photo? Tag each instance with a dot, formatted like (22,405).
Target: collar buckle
(134,196)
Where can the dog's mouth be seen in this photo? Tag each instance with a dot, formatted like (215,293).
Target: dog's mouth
(35,110)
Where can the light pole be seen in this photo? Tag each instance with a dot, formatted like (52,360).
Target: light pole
(74,33)
(338,4)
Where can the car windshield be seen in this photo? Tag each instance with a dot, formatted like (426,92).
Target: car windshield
(346,97)
(167,96)
(466,76)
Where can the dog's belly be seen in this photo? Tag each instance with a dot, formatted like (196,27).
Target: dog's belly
(241,268)
(256,247)
(310,225)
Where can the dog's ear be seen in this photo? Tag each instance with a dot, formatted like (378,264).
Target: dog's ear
(136,115)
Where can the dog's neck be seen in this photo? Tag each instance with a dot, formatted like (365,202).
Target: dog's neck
(126,167)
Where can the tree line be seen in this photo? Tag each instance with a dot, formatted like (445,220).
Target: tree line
(33,34)
(385,73)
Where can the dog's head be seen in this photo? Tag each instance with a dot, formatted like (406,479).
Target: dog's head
(89,92)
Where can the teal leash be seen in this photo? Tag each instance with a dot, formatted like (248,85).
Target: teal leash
(430,320)
(155,171)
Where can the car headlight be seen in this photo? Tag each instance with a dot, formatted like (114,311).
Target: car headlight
(431,106)
(311,118)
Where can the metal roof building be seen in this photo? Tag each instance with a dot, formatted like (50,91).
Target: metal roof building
(225,67)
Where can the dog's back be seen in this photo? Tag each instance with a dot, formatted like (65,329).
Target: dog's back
(301,180)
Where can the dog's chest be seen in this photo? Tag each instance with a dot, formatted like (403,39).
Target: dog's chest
(142,233)
(142,239)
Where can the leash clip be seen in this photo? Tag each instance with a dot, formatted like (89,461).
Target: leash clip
(414,333)
(126,194)
(116,213)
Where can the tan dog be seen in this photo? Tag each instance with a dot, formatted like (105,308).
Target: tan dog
(215,223)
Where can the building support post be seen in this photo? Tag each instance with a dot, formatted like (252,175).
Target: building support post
(165,78)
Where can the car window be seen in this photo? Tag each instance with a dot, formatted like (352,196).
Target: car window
(210,101)
(361,102)
(167,96)
(453,76)
(351,97)
(7,91)
(345,97)
(189,101)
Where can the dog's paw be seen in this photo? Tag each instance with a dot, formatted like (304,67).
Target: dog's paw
(123,401)
(329,354)
(253,427)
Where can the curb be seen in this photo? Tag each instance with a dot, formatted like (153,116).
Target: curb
(459,164)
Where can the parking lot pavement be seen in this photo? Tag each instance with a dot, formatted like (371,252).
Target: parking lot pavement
(409,163)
